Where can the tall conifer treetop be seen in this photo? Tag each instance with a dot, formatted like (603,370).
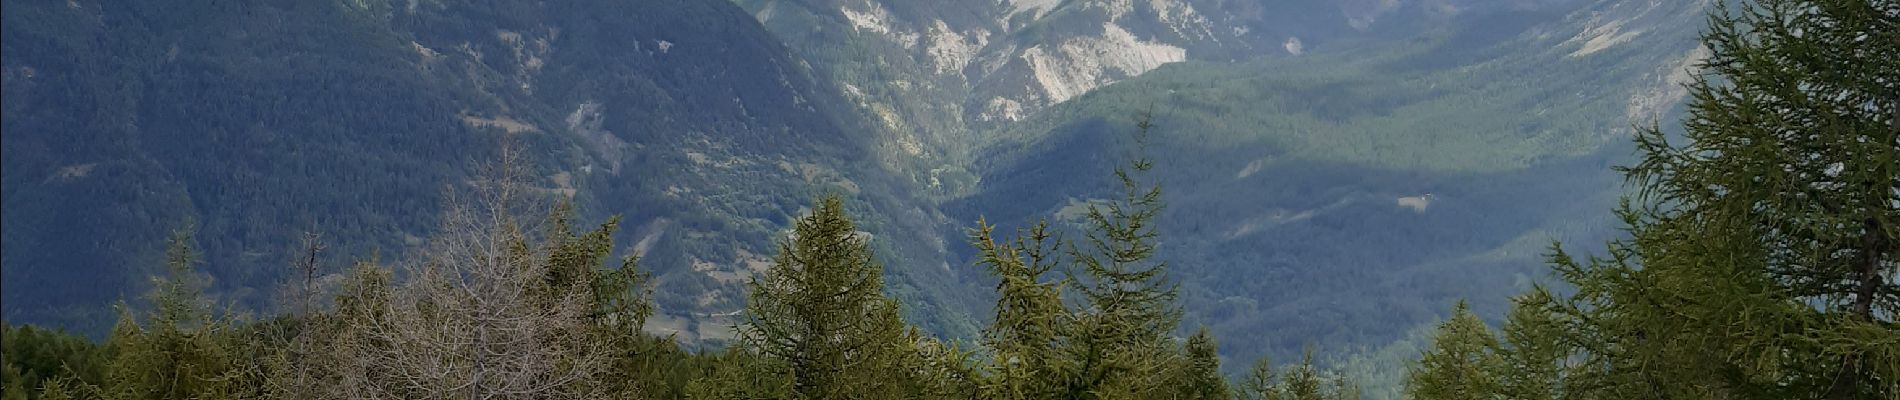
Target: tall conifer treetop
(821,310)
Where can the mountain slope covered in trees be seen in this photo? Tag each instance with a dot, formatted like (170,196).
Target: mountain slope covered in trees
(1339,199)
(1756,259)
(1338,190)
(256,122)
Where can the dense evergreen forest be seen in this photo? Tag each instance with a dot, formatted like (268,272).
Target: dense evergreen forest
(1761,262)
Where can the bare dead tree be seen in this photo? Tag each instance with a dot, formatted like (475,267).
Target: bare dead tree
(475,317)
(295,364)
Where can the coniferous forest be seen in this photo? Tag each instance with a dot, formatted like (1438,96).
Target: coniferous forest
(1760,259)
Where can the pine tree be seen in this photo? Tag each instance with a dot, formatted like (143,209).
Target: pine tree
(1461,363)
(821,311)
(1763,246)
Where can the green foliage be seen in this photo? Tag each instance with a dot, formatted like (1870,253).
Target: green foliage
(1533,357)
(941,370)
(36,359)
(488,309)
(1466,360)
(739,374)
(622,303)
(820,310)
(1029,316)
(264,120)
(1462,364)
(181,350)
(1300,382)
(1280,169)
(54,389)
(1201,379)
(1759,249)
(1120,344)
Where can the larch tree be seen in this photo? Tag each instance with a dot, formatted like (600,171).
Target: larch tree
(182,349)
(1303,382)
(1259,383)
(1765,243)
(1461,363)
(820,311)
(1121,343)
(1300,382)
(620,301)
(1533,357)
(1201,379)
(1029,315)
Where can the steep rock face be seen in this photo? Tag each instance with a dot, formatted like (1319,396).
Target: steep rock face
(253,122)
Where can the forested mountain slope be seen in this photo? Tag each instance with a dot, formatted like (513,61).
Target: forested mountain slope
(1337,171)
(1339,199)
(254,122)
(942,76)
